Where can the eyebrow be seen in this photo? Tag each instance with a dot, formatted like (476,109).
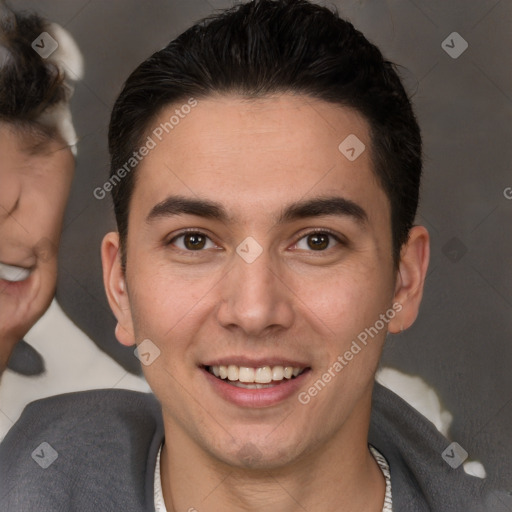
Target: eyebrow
(316,207)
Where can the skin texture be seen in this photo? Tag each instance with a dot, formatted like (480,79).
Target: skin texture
(293,302)
(35,179)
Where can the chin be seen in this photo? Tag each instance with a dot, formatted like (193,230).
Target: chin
(249,452)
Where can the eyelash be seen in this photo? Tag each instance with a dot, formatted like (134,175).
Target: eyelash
(337,238)
(324,231)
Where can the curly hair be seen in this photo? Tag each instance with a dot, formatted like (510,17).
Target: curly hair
(29,84)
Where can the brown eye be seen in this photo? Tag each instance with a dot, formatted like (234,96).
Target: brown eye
(194,241)
(318,241)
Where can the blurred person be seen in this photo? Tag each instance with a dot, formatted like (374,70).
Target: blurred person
(37,141)
(38,63)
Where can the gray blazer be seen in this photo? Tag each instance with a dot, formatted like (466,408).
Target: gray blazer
(95,451)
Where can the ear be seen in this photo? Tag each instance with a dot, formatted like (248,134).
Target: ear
(115,287)
(410,279)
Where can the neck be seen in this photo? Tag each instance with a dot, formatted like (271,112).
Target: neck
(338,474)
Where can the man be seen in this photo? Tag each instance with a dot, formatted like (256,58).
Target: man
(265,170)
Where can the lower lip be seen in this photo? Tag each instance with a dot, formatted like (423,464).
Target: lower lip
(264,397)
(18,287)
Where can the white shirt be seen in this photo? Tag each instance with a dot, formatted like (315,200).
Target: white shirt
(381,461)
(73,363)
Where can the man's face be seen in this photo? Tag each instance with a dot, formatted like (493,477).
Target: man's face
(270,283)
(35,178)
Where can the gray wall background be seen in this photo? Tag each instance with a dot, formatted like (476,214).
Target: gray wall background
(461,344)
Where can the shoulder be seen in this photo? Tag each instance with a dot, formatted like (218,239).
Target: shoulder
(414,448)
(84,451)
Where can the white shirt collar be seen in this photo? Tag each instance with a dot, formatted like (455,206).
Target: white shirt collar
(381,461)
(159,496)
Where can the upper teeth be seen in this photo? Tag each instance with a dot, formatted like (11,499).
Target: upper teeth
(261,375)
(13,273)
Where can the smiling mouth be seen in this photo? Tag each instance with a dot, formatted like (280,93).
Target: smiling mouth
(255,378)
(14,274)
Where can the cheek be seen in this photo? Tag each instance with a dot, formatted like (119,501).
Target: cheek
(164,303)
(50,203)
(345,301)
(347,308)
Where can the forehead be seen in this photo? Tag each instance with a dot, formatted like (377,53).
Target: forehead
(32,153)
(29,140)
(263,151)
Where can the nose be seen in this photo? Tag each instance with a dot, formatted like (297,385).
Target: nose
(255,297)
